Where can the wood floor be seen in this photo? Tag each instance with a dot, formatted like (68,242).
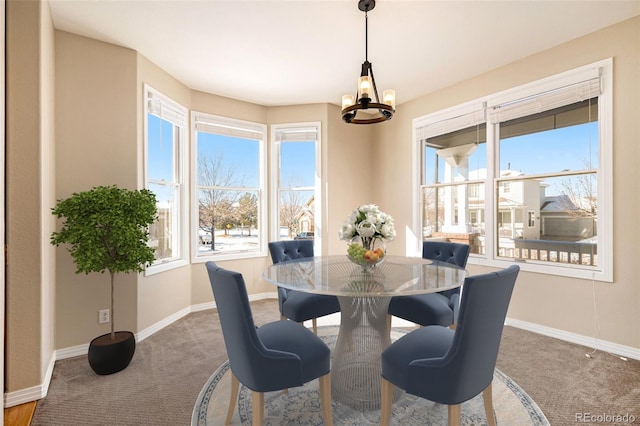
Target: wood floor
(20,415)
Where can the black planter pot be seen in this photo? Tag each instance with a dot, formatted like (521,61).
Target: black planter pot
(108,356)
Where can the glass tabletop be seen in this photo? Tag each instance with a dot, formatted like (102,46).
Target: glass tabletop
(338,276)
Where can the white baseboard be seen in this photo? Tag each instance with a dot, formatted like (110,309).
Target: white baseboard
(579,339)
(34,393)
(149,331)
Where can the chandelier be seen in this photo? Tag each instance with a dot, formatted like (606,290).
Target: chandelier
(351,105)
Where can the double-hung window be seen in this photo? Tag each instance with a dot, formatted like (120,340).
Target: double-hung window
(165,175)
(525,175)
(453,173)
(229,206)
(296,181)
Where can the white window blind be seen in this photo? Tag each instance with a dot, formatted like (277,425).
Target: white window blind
(228,127)
(465,120)
(296,134)
(165,109)
(566,95)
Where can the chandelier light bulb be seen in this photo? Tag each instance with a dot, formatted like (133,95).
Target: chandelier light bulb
(364,87)
(389,98)
(347,101)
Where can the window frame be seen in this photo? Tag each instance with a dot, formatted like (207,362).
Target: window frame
(604,270)
(275,145)
(242,126)
(180,114)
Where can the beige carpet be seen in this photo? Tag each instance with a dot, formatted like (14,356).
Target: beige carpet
(162,383)
(300,406)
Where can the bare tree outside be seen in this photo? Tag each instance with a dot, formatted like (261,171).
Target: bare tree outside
(291,204)
(580,195)
(216,207)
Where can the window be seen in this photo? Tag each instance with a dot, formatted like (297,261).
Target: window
(490,168)
(532,219)
(453,174)
(229,208)
(296,179)
(165,142)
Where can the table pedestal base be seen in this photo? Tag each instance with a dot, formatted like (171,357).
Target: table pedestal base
(356,369)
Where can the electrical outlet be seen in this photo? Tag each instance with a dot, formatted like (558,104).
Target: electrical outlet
(103,316)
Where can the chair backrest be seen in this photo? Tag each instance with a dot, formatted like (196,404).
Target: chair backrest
(470,362)
(446,251)
(251,362)
(289,250)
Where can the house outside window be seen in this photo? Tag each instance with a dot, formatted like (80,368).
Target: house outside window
(542,150)
(165,141)
(296,181)
(228,171)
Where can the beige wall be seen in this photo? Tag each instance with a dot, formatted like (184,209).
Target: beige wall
(96,144)
(547,300)
(47,183)
(350,168)
(29,191)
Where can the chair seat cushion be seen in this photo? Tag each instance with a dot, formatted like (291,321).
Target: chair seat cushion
(423,309)
(427,342)
(289,336)
(301,306)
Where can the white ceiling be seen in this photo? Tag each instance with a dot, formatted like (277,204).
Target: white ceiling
(273,52)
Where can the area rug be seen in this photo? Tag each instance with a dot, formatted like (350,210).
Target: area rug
(301,406)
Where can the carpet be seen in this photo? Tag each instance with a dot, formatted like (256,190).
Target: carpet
(301,406)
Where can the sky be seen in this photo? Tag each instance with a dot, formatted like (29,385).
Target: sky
(567,148)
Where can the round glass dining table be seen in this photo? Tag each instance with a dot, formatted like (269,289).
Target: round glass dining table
(364,293)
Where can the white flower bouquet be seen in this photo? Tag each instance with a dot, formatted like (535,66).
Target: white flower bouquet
(370,225)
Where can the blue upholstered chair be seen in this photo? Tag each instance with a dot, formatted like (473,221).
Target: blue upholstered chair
(433,308)
(452,366)
(275,356)
(296,305)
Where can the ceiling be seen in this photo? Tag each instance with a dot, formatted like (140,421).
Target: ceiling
(273,52)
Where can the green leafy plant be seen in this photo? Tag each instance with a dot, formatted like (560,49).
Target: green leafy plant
(107,229)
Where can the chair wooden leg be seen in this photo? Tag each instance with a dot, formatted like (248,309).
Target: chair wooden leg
(315,326)
(282,317)
(257,406)
(452,327)
(487,395)
(235,385)
(325,399)
(386,401)
(454,415)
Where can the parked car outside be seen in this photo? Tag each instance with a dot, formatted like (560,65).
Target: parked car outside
(304,236)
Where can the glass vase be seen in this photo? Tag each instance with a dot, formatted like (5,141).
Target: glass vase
(366,251)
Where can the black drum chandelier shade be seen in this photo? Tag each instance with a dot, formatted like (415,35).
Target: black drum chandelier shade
(351,104)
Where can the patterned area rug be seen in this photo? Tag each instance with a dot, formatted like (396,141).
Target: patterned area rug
(301,406)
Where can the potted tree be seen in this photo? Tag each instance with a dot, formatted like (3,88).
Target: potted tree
(106,229)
